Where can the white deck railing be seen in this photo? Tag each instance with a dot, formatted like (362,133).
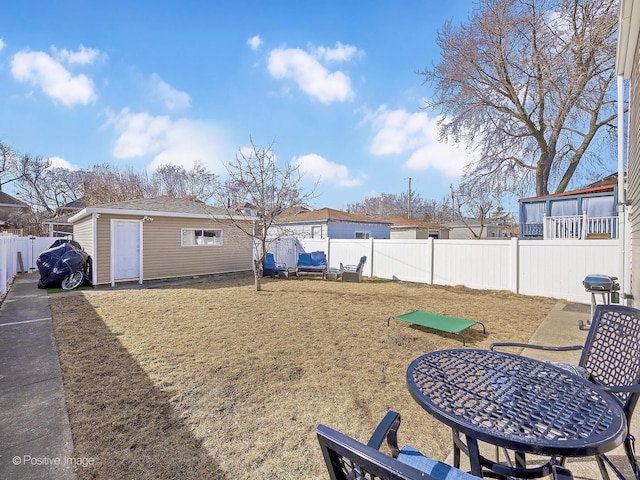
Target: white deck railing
(580,227)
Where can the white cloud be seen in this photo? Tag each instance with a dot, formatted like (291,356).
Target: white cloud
(180,142)
(322,169)
(340,53)
(41,70)
(82,56)
(254,42)
(2,44)
(310,75)
(171,98)
(58,162)
(399,131)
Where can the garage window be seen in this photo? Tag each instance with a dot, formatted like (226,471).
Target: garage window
(200,237)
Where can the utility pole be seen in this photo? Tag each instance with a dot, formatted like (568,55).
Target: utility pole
(409,200)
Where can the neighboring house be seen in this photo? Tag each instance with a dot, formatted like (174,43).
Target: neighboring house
(410,228)
(330,223)
(58,225)
(628,66)
(154,238)
(462,230)
(246,209)
(586,213)
(9,205)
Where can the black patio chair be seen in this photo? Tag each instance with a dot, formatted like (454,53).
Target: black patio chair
(611,359)
(347,458)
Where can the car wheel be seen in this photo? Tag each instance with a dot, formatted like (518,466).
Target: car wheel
(73,281)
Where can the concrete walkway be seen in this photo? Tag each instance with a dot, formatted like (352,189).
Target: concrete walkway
(35,438)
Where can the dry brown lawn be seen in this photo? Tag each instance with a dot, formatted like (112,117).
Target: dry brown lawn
(216,380)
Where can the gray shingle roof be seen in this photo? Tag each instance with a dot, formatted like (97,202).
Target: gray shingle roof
(159,206)
(163,204)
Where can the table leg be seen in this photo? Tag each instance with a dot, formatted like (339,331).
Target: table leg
(474,456)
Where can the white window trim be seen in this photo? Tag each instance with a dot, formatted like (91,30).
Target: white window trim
(218,234)
(366,235)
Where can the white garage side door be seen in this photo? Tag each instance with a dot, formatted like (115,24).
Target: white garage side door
(125,250)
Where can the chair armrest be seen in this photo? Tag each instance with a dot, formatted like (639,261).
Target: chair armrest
(561,473)
(620,388)
(535,347)
(387,428)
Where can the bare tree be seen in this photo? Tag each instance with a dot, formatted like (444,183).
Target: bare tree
(529,85)
(199,183)
(472,202)
(256,178)
(105,183)
(389,205)
(9,164)
(45,188)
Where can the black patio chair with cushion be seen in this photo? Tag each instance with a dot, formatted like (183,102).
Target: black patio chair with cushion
(347,458)
(611,359)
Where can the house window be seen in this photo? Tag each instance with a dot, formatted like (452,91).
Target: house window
(316,232)
(197,237)
(362,235)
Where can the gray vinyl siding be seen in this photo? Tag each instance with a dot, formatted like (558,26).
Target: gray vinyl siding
(165,257)
(633,173)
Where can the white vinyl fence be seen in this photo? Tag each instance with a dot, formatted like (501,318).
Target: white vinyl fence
(8,261)
(19,255)
(530,267)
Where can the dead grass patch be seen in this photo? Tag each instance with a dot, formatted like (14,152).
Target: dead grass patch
(215,380)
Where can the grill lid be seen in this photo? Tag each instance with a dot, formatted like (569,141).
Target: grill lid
(601,283)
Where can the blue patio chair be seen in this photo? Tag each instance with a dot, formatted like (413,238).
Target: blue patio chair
(347,458)
(270,267)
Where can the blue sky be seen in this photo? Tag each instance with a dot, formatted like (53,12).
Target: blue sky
(332,84)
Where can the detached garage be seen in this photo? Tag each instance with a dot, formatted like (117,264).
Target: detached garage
(156,238)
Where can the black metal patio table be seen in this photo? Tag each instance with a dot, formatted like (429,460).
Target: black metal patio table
(515,402)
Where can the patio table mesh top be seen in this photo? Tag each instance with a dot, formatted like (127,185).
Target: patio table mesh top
(508,398)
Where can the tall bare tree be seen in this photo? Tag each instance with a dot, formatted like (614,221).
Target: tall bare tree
(254,177)
(529,85)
